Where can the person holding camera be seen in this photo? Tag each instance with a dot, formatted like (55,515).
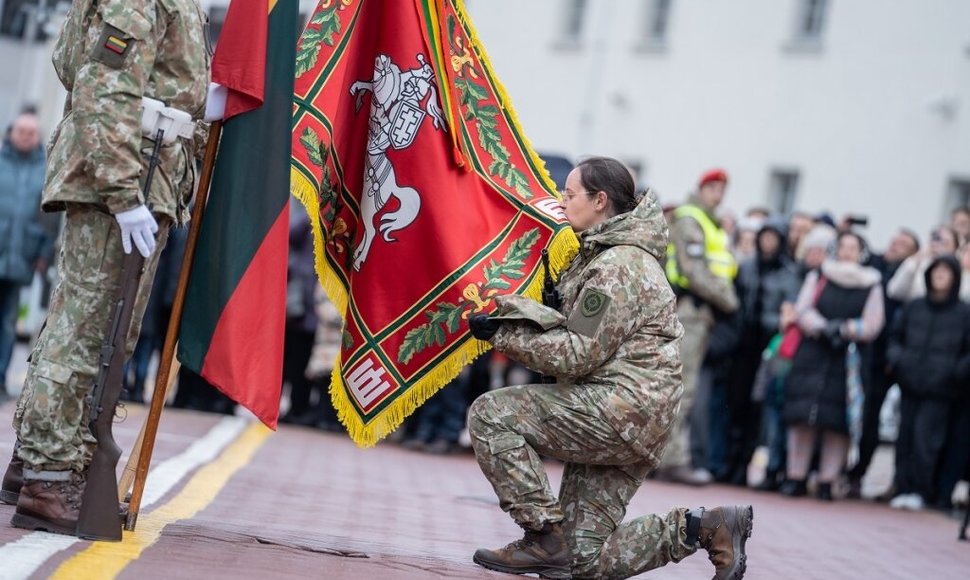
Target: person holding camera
(839,305)
(909,281)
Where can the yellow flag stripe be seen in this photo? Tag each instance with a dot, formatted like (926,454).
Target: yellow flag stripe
(104,560)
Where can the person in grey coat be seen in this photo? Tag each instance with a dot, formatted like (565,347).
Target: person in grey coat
(24,242)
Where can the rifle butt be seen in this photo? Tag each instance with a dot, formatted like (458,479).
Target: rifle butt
(99,517)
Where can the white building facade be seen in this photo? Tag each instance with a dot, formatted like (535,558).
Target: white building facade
(852,106)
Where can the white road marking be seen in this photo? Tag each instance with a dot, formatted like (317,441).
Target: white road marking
(24,556)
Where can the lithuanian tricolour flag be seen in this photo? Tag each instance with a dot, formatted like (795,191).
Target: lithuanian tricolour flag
(427,200)
(232,326)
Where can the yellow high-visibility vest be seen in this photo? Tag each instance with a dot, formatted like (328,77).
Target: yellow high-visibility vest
(717,249)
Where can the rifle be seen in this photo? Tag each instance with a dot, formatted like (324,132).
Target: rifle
(550,297)
(99,517)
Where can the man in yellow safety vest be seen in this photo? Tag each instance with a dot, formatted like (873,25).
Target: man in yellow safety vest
(701,269)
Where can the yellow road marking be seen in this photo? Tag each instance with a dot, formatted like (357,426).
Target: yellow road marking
(107,559)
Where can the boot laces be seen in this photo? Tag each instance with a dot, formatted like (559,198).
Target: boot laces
(706,539)
(531,538)
(72,495)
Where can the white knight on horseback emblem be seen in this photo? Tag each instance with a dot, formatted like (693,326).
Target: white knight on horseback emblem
(396,116)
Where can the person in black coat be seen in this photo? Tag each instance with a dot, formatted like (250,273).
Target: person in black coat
(301,322)
(710,418)
(838,306)
(929,352)
(764,283)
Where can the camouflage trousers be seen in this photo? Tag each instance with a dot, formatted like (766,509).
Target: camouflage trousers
(697,321)
(510,428)
(51,415)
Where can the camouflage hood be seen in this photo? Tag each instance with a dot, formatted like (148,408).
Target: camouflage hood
(643,227)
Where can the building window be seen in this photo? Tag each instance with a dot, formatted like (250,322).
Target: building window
(811,19)
(574,17)
(783,191)
(29,19)
(958,195)
(658,17)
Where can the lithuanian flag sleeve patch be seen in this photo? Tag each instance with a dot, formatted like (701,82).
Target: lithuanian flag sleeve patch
(115,44)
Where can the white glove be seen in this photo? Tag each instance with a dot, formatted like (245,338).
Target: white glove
(138,225)
(215,103)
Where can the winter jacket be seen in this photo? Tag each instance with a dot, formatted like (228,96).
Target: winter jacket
(22,237)
(816,389)
(617,328)
(763,284)
(929,347)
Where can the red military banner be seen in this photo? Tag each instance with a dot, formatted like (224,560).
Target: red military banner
(426,198)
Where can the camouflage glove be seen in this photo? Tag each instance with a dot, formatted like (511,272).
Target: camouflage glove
(483,327)
(139,226)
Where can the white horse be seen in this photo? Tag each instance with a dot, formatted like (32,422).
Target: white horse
(393,95)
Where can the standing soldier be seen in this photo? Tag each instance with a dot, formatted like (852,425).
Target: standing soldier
(110,54)
(701,269)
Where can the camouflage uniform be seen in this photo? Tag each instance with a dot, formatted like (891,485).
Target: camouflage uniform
(109,54)
(695,312)
(614,350)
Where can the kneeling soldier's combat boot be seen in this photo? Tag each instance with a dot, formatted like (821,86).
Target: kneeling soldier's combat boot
(52,506)
(722,531)
(543,552)
(13,480)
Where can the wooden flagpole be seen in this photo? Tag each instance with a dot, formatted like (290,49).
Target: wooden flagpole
(141,455)
(128,475)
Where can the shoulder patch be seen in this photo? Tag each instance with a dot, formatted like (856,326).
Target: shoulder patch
(113,47)
(695,250)
(586,317)
(593,301)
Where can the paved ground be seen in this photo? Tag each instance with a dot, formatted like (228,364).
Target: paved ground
(301,503)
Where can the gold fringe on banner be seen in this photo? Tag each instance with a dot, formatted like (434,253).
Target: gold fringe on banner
(562,248)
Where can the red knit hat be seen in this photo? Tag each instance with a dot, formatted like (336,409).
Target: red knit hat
(712,175)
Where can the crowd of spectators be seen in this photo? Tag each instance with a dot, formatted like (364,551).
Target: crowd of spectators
(825,329)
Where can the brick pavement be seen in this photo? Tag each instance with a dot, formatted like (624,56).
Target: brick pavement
(419,516)
(311,504)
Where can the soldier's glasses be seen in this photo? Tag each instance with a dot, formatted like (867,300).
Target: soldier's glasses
(568,195)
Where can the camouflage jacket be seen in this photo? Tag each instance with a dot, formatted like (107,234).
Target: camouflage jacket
(618,327)
(687,236)
(111,53)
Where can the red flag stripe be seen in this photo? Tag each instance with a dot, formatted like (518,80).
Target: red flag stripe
(239,63)
(247,345)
